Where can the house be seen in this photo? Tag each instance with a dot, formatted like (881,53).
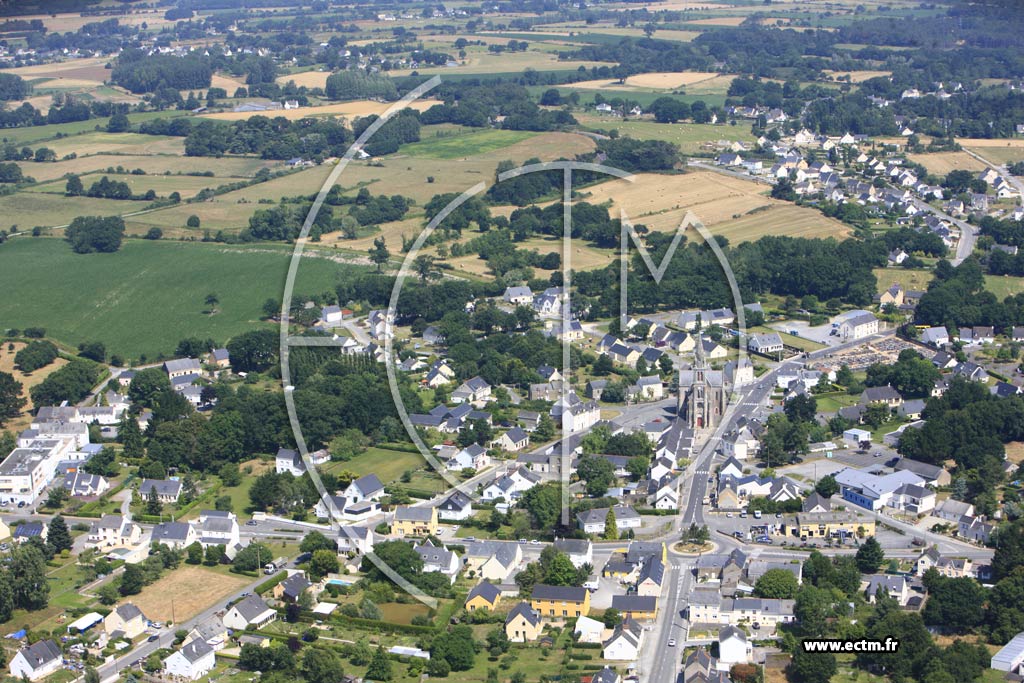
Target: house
(125,621)
(642,607)
(84,485)
(484,595)
(651,388)
(368,487)
(933,475)
(113,531)
(733,646)
(605,675)
(36,661)
(831,524)
(456,507)
(873,491)
(588,630)
(887,395)
(518,296)
(167,490)
(912,409)
(765,344)
(950,567)
(174,534)
(593,521)
(251,612)
(1010,656)
(523,624)
(515,439)
(893,585)
(975,529)
(182,367)
(493,561)
(560,602)
(580,551)
(952,510)
(472,391)
(191,662)
(763,611)
(816,503)
(414,521)
(355,539)
(439,560)
(935,336)
(624,643)
(859,326)
(292,588)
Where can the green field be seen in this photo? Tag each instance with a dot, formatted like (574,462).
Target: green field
(1004,285)
(465,144)
(148,296)
(388,465)
(29,209)
(36,133)
(689,136)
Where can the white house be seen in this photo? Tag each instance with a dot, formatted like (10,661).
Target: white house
(456,507)
(250,612)
(191,662)
(768,344)
(368,487)
(733,646)
(36,661)
(858,326)
(518,296)
(624,643)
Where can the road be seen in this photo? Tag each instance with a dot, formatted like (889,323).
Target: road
(1002,169)
(968,232)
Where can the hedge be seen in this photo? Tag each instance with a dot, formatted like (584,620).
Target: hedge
(657,513)
(270,583)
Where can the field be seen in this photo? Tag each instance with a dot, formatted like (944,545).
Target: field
(29,209)
(910,279)
(996,151)
(388,465)
(309,79)
(225,167)
(146,297)
(1004,285)
(354,108)
(481,62)
(691,137)
(467,144)
(185,592)
(7,353)
(942,163)
(120,143)
(856,76)
(163,185)
(782,219)
(661,201)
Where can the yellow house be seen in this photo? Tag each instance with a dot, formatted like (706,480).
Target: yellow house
(523,624)
(5,531)
(560,602)
(830,524)
(410,521)
(484,595)
(639,607)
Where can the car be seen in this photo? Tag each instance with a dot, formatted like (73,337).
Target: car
(157,624)
(21,504)
(470,538)
(245,594)
(535,542)
(756,626)
(251,522)
(671,642)
(729,515)
(153,638)
(743,515)
(522,540)
(778,515)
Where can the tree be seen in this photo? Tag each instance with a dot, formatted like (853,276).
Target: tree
(399,556)
(27,577)
(323,562)
(132,581)
(827,486)
(320,665)
(59,537)
(598,473)
(211,302)
(379,254)
(11,401)
(74,187)
(118,123)
(252,557)
(154,234)
(314,541)
(192,221)
(611,529)
(870,556)
(153,505)
(813,608)
(811,667)
(254,351)
(956,604)
(1005,617)
(6,600)
(91,234)
(456,647)
(194,553)
(380,666)
(777,583)
(544,503)
(425,267)
(146,385)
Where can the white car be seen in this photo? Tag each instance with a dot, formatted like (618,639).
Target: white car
(671,642)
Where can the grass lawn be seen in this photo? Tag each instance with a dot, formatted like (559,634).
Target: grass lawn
(146,297)
(689,136)
(910,279)
(833,402)
(388,465)
(1004,285)
(464,144)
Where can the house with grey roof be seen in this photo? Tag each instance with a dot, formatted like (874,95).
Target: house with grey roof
(84,485)
(193,661)
(593,521)
(368,487)
(37,660)
(181,367)
(174,534)
(438,559)
(167,490)
(251,612)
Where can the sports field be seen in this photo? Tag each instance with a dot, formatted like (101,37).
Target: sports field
(149,295)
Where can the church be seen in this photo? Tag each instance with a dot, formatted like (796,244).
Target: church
(702,395)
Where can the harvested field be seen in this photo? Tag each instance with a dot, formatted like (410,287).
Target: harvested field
(782,219)
(346,109)
(1016,143)
(669,80)
(660,201)
(942,163)
(225,167)
(185,592)
(488,63)
(718,21)
(121,143)
(228,83)
(309,79)
(91,70)
(27,381)
(857,76)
